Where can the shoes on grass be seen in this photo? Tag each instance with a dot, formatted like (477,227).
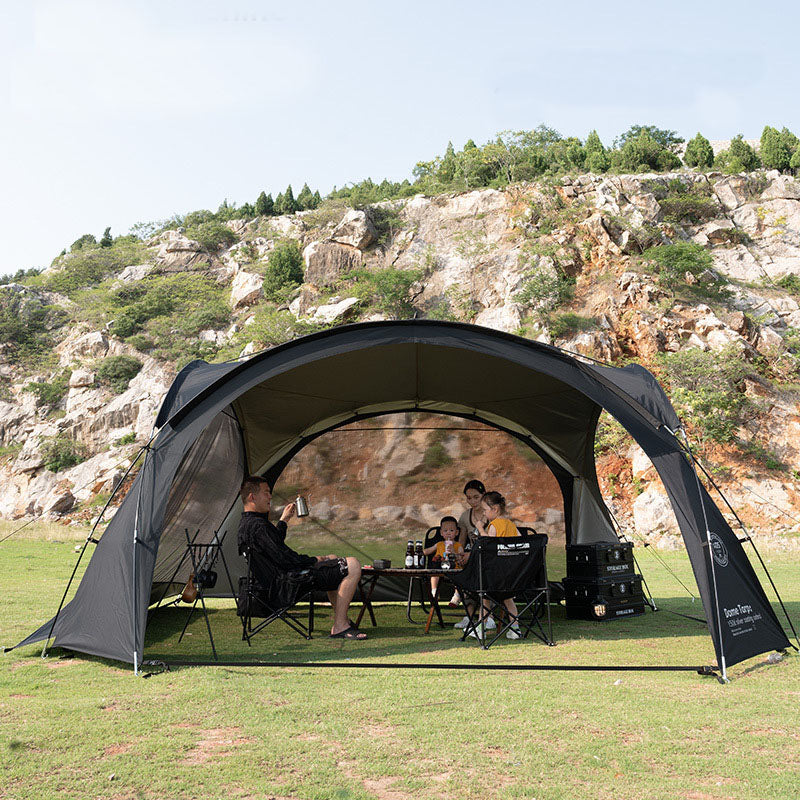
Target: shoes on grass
(477,632)
(464,623)
(513,633)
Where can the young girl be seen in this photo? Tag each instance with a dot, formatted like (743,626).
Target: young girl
(494,508)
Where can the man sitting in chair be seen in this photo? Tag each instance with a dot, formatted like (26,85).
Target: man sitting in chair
(337,576)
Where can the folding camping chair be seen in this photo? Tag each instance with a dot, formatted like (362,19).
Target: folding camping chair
(254,601)
(502,568)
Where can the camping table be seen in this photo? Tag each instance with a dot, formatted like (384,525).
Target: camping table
(371,576)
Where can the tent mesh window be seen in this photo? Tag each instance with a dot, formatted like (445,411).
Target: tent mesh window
(210,475)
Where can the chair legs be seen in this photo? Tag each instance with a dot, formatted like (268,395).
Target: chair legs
(537,604)
(286,616)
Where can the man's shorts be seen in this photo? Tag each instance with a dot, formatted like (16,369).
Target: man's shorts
(327,575)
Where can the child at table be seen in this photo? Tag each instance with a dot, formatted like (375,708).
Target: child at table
(448,529)
(494,509)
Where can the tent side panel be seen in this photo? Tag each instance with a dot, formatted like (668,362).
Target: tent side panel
(98,620)
(742,622)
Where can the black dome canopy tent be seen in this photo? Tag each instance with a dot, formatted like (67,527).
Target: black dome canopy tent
(221,421)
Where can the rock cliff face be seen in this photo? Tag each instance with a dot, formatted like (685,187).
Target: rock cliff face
(476,254)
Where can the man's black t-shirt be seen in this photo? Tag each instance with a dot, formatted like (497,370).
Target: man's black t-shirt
(280,572)
(263,538)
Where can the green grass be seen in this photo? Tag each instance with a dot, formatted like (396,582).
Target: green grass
(67,725)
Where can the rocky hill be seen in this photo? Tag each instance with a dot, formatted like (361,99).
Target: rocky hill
(695,275)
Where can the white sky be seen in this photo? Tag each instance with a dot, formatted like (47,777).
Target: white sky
(120,112)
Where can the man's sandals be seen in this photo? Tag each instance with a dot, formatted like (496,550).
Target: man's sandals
(350,633)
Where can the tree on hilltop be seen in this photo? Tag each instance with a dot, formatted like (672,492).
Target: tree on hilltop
(669,140)
(790,140)
(106,240)
(264,205)
(289,205)
(305,200)
(596,155)
(642,153)
(79,244)
(699,152)
(447,166)
(795,162)
(739,157)
(774,152)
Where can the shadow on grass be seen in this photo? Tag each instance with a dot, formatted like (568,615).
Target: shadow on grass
(396,639)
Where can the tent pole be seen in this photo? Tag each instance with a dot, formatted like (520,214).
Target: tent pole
(724,676)
(134,575)
(753,545)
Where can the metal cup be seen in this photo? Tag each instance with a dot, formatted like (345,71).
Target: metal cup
(301,506)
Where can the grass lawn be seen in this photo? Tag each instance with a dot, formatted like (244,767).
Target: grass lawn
(79,727)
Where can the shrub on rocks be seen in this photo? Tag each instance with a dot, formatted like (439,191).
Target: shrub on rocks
(118,371)
(284,271)
(706,390)
(388,291)
(60,452)
(50,393)
(211,235)
(675,261)
(90,264)
(691,204)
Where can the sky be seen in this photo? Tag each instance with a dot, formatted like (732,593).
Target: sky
(115,113)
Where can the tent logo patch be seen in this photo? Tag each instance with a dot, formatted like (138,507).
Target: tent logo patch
(719,551)
(512,549)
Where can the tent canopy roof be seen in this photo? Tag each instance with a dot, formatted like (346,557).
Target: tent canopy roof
(359,370)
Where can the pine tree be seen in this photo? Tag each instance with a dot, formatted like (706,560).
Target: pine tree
(774,153)
(317,199)
(699,152)
(79,244)
(795,162)
(264,205)
(106,240)
(790,140)
(305,199)
(739,157)
(289,203)
(447,166)
(279,205)
(596,156)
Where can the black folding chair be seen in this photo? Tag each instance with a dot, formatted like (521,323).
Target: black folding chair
(500,568)
(254,601)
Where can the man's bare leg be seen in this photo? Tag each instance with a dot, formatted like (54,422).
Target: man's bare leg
(344,595)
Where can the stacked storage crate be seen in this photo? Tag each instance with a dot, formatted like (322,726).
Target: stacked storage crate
(601,582)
